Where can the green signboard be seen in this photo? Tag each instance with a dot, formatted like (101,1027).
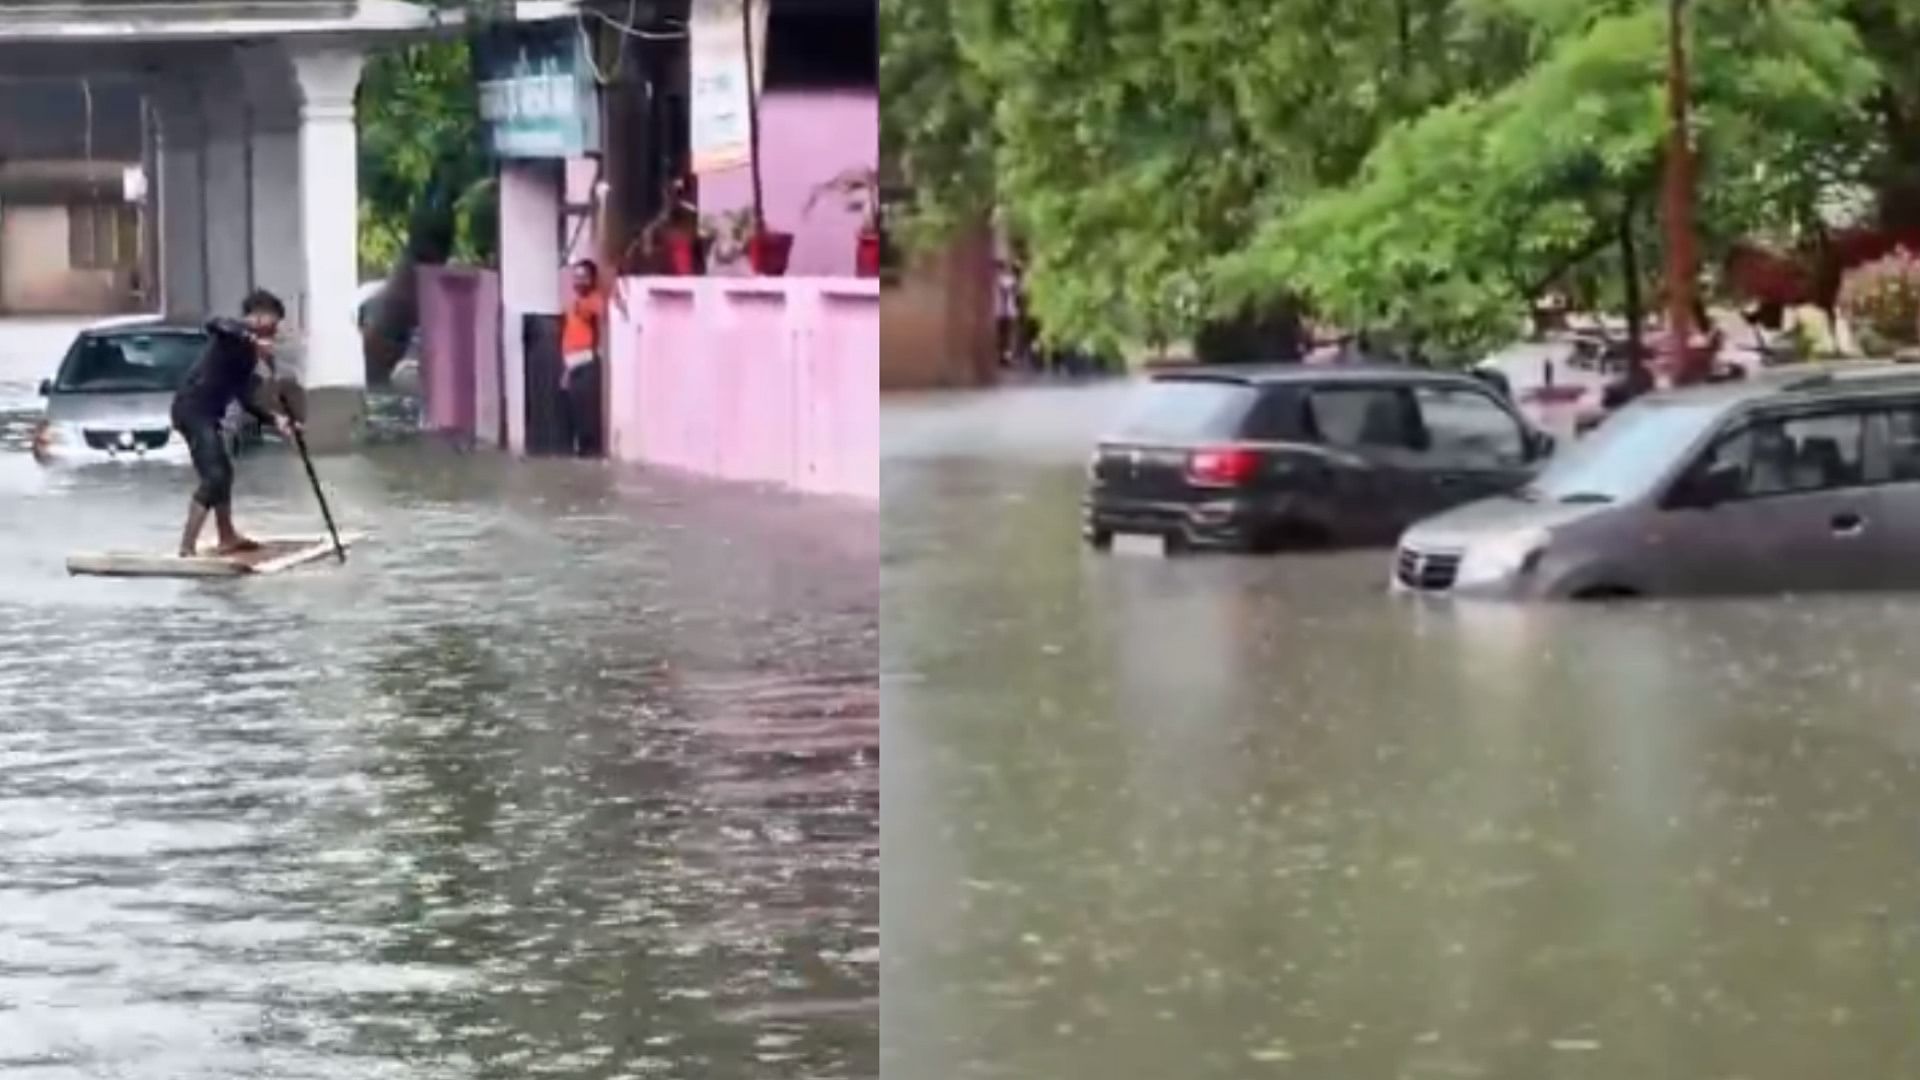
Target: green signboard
(537,93)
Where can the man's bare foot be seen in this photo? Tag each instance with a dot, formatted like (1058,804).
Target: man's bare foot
(189,553)
(239,545)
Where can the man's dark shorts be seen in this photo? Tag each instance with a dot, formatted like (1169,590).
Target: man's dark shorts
(208,445)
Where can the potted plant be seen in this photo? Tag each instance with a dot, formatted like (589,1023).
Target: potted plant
(769,252)
(860,188)
(739,236)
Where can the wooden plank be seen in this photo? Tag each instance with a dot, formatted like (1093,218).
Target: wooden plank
(298,553)
(276,555)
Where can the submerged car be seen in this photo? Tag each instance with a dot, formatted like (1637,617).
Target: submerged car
(1790,481)
(1265,458)
(112,395)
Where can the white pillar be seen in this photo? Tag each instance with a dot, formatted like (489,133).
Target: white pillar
(335,373)
(181,200)
(274,106)
(530,208)
(227,223)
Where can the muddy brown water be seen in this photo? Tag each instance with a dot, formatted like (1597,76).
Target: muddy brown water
(1240,818)
(572,771)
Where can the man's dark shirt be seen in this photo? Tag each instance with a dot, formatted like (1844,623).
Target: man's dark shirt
(222,376)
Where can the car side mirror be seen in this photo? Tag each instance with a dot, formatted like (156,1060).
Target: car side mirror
(46,387)
(1706,490)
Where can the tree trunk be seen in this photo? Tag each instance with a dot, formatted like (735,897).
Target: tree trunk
(396,315)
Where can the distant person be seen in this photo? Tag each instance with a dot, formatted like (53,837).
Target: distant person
(1007,316)
(582,350)
(227,372)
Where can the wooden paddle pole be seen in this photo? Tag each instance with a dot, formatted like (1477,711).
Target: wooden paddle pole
(300,441)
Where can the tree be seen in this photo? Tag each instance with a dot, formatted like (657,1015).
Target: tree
(1458,219)
(427,184)
(1131,143)
(935,115)
(1427,163)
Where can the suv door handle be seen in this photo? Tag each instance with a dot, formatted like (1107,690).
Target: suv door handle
(1848,523)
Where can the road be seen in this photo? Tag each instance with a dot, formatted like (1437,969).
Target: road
(572,771)
(1235,818)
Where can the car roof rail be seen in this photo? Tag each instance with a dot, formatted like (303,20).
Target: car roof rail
(1809,382)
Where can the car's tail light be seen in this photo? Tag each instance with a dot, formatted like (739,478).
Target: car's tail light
(1227,467)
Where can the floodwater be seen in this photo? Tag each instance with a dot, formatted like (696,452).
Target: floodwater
(572,771)
(1238,818)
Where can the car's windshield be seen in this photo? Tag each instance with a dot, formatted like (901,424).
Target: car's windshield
(153,362)
(1187,409)
(1627,455)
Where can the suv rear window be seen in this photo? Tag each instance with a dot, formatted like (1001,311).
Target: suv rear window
(1183,409)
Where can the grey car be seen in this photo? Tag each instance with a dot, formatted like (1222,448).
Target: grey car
(111,397)
(1799,480)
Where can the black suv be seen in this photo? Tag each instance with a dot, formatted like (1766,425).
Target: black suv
(1266,458)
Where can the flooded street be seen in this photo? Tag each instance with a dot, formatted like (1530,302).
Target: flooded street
(1234,818)
(570,772)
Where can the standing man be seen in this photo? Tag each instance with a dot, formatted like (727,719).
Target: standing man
(224,374)
(581,347)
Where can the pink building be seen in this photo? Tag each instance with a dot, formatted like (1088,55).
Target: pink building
(807,139)
(760,380)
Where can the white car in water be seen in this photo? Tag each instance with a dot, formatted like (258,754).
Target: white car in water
(112,397)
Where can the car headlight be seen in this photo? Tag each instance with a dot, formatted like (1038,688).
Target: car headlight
(1503,557)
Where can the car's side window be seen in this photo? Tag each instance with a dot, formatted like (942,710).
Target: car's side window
(1469,430)
(1790,455)
(1367,418)
(1278,417)
(1892,452)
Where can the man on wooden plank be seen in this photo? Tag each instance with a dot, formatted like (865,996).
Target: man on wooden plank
(227,372)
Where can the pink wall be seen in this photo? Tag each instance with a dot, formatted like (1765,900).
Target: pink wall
(460,369)
(806,140)
(767,380)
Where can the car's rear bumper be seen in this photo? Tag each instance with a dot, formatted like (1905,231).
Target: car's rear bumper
(1222,524)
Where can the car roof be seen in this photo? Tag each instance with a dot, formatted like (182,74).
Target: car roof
(1316,374)
(1805,383)
(155,325)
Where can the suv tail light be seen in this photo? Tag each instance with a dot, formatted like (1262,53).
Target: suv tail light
(1225,467)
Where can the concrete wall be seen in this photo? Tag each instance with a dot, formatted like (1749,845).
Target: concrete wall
(764,381)
(938,319)
(806,139)
(36,272)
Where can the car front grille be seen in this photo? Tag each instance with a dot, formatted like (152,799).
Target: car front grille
(1427,571)
(111,441)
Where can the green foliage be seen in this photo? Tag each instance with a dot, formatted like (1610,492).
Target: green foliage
(1458,219)
(424,172)
(935,117)
(1427,165)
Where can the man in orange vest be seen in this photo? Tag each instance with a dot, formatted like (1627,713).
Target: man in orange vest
(581,348)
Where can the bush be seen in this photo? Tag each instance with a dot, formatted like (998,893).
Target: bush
(1882,298)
